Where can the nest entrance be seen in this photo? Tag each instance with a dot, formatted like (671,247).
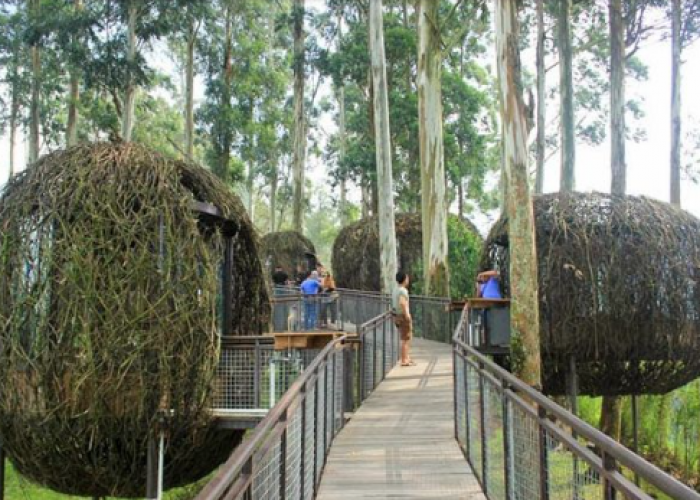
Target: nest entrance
(619,281)
(119,268)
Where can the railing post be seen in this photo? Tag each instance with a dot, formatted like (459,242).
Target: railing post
(455,397)
(383,349)
(316,471)
(609,465)
(374,357)
(325,410)
(484,442)
(466,408)
(505,413)
(283,456)
(361,370)
(334,389)
(543,452)
(302,473)
(256,375)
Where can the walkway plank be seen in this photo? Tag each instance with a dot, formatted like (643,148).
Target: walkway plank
(400,443)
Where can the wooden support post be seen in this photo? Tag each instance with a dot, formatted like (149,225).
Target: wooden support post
(543,453)
(572,389)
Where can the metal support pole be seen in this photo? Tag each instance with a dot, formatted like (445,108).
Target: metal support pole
(227,327)
(635,432)
(384,349)
(316,471)
(273,381)
(484,442)
(152,469)
(609,465)
(543,452)
(334,389)
(256,376)
(466,407)
(2,471)
(302,473)
(507,465)
(455,405)
(572,389)
(283,456)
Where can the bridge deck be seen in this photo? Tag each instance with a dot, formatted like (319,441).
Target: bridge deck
(400,443)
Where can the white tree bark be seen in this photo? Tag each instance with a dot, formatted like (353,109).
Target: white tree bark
(130,92)
(566,91)
(341,156)
(541,99)
(299,160)
(525,328)
(617,98)
(433,196)
(73,98)
(34,112)
(189,92)
(382,140)
(676,105)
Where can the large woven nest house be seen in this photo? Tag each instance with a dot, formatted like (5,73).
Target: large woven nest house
(288,249)
(356,261)
(619,280)
(119,269)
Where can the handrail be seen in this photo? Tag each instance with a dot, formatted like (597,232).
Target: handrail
(612,451)
(241,461)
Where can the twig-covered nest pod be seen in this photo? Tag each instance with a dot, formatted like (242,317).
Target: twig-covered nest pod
(113,291)
(288,249)
(618,288)
(356,261)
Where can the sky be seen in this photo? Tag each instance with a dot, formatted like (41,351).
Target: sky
(648,161)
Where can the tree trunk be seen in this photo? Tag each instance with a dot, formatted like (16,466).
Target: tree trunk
(382,141)
(676,105)
(250,186)
(189,92)
(430,140)
(541,99)
(273,197)
(130,93)
(366,198)
(525,328)
(662,420)
(341,156)
(617,98)
(225,133)
(460,199)
(610,416)
(34,112)
(73,97)
(566,92)
(14,112)
(299,116)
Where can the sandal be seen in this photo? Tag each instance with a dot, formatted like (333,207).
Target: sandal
(410,363)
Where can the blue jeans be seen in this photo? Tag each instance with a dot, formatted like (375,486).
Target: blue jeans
(310,313)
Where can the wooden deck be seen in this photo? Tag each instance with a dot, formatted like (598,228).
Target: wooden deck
(400,443)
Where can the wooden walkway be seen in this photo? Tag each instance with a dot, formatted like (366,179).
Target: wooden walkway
(400,443)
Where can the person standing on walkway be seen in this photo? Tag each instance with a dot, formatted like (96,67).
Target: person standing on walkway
(310,289)
(402,317)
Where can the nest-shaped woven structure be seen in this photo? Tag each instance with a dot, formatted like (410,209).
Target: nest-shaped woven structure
(356,262)
(288,249)
(619,280)
(110,308)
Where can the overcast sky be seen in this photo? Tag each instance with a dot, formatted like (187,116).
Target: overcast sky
(648,161)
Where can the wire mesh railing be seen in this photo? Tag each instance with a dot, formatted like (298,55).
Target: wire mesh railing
(285,455)
(521,445)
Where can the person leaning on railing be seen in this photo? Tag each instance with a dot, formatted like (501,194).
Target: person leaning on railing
(328,303)
(402,317)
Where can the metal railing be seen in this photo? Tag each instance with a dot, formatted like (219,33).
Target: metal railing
(252,376)
(293,312)
(522,445)
(285,455)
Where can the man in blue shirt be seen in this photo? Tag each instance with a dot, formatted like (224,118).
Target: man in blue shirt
(488,286)
(310,288)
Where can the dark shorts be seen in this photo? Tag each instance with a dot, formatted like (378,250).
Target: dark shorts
(404,325)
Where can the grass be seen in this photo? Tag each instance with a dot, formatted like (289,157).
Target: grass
(19,488)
